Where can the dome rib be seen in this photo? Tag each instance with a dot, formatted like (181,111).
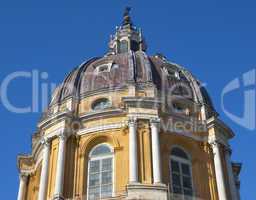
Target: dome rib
(136,67)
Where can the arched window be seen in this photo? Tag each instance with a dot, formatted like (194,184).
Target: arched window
(134,45)
(181,174)
(101,104)
(100,172)
(123,46)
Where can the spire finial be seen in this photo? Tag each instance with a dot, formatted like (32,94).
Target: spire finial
(126,16)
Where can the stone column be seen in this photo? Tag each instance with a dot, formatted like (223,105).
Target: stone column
(156,156)
(59,181)
(44,170)
(219,171)
(231,179)
(23,186)
(133,158)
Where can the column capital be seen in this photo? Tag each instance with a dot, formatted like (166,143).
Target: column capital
(132,121)
(219,144)
(23,176)
(57,197)
(63,136)
(45,141)
(155,122)
(215,143)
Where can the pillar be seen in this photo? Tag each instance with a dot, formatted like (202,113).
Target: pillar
(133,158)
(59,181)
(23,186)
(156,156)
(231,180)
(44,171)
(219,171)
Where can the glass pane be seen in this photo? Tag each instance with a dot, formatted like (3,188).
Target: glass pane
(107,164)
(177,190)
(175,166)
(106,177)
(94,193)
(102,149)
(94,179)
(103,68)
(106,191)
(179,153)
(176,180)
(134,45)
(94,166)
(101,104)
(187,182)
(185,169)
(188,192)
(123,46)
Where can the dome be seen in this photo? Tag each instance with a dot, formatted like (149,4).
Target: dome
(129,125)
(127,63)
(117,71)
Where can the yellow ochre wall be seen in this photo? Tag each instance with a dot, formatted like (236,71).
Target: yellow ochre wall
(204,183)
(77,150)
(33,184)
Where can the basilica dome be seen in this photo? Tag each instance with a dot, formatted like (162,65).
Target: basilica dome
(128,125)
(127,63)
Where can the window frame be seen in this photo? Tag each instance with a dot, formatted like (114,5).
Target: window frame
(98,101)
(101,157)
(107,65)
(120,50)
(181,161)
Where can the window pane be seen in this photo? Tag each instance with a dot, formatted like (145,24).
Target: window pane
(177,190)
(134,45)
(101,150)
(107,164)
(101,104)
(176,180)
(94,166)
(106,177)
(179,153)
(123,46)
(175,166)
(100,173)
(187,182)
(188,192)
(94,193)
(185,169)
(103,68)
(106,191)
(94,179)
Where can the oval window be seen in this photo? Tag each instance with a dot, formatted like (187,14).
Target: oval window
(101,104)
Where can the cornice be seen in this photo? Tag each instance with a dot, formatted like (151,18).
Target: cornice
(55,119)
(101,128)
(103,113)
(215,122)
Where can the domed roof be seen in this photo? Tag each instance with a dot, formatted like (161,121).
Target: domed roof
(126,68)
(127,63)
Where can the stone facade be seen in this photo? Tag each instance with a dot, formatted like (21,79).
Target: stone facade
(135,119)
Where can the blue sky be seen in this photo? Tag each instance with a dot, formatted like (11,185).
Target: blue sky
(215,40)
